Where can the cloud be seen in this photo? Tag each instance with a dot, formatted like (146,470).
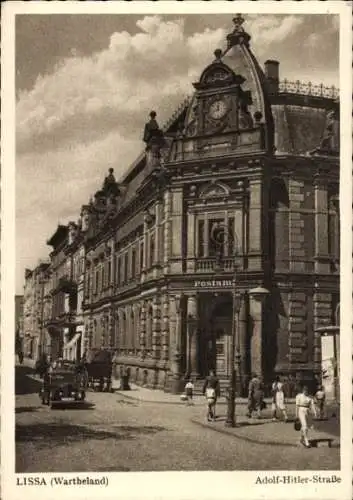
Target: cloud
(88,114)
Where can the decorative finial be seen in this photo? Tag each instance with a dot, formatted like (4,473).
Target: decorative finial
(218,54)
(238,21)
(153,114)
(238,35)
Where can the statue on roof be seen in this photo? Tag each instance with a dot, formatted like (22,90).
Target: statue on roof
(110,186)
(153,135)
(330,140)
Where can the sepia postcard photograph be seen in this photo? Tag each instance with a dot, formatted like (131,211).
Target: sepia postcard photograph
(176,250)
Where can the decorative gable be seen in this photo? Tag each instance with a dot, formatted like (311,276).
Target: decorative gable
(215,190)
(218,74)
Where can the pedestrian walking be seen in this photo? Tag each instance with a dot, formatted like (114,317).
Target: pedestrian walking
(320,398)
(280,401)
(273,393)
(189,391)
(211,390)
(255,396)
(20,357)
(304,406)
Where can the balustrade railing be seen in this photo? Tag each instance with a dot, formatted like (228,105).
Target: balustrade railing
(308,88)
(285,86)
(211,264)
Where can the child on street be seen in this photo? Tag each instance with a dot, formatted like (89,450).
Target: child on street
(189,391)
(320,397)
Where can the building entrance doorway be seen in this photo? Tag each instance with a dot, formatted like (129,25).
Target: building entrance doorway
(217,331)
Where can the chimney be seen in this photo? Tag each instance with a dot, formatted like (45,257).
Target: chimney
(272,75)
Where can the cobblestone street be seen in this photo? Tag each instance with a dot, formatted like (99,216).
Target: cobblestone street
(115,433)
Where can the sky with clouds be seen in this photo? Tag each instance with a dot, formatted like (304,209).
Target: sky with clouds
(86,83)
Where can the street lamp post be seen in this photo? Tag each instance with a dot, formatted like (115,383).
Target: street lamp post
(235,359)
(219,233)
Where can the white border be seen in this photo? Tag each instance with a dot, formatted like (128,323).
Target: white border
(171,485)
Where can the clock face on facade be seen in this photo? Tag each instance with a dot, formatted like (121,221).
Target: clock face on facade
(218,109)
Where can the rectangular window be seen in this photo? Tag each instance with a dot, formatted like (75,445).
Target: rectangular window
(201,239)
(133,263)
(96,278)
(109,273)
(117,270)
(215,237)
(102,273)
(152,249)
(233,244)
(141,256)
(161,244)
(126,266)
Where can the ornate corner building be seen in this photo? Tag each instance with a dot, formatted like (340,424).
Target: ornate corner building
(246,153)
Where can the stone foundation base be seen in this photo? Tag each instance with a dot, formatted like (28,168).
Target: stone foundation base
(145,376)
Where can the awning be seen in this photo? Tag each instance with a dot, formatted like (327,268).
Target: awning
(73,341)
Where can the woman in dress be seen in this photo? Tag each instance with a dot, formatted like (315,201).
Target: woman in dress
(279,401)
(256,396)
(304,405)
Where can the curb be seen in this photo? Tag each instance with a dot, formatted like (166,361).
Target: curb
(251,440)
(140,400)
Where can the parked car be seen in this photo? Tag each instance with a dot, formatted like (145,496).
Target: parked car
(64,382)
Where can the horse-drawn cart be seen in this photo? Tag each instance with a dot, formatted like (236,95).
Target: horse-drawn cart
(99,366)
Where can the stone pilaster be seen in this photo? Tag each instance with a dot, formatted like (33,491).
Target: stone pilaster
(176,230)
(145,246)
(165,329)
(255,225)
(158,208)
(242,333)
(156,327)
(192,334)
(111,329)
(322,260)
(167,231)
(143,329)
(191,221)
(322,305)
(175,303)
(296,226)
(256,336)
(297,329)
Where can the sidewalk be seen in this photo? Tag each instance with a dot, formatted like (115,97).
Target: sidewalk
(259,431)
(264,431)
(146,395)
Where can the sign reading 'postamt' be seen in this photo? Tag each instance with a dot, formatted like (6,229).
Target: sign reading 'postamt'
(214,284)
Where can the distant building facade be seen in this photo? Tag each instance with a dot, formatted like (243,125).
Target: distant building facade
(239,191)
(19,323)
(33,326)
